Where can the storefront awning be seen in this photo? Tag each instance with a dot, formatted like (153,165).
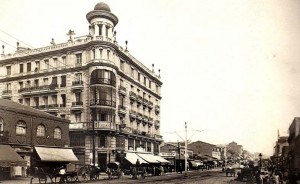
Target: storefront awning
(161,159)
(55,154)
(9,158)
(132,158)
(148,157)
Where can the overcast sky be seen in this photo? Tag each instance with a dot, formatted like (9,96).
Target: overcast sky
(230,68)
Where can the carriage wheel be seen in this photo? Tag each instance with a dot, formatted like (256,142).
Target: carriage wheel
(43,179)
(84,177)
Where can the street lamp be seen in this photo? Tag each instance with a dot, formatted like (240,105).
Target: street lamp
(260,155)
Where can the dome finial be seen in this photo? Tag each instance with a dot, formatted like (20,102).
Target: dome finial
(102,7)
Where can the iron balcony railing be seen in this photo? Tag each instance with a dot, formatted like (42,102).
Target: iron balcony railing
(103,81)
(77,83)
(7,91)
(103,102)
(122,107)
(34,88)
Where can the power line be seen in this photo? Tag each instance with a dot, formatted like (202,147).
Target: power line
(14,37)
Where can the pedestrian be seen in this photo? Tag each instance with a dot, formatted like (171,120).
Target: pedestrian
(137,164)
(180,167)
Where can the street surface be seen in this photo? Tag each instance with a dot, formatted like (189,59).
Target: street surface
(214,176)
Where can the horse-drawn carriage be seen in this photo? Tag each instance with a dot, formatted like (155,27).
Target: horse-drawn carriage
(246,174)
(113,170)
(57,163)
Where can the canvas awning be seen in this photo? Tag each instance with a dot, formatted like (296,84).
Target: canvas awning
(132,158)
(47,154)
(161,159)
(148,157)
(9,158)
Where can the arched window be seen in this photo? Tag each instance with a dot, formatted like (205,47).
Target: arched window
(57,133)
(21,128)
(40,131)
(1,124)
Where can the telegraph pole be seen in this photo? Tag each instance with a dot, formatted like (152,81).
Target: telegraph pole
(185,154)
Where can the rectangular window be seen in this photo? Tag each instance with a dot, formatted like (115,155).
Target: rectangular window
(145,81)
(21,101)
(63,62)
(54,82)
(78,117)
(21,68)
(78,97)
(94,54)
(100,29)
(36,83)
(28,67)
(78,77)
(108,53)
(149,84)
(101,51)
(45,100)
(156,89)
(63,100)
(102,141)
(46,62)
(78,58)
(36,101)
(27,101)
(37,66)
(139,77)
(54,62)
(63,81)
(77,140)
(45,81)
(21,85)
(8,86)
(106,31)
(54,99)
(122,65)
(8,70)
(103,117)
(132,72)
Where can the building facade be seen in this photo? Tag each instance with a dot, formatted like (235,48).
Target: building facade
(294,144)
(23,128)
(111,98)
(203,148)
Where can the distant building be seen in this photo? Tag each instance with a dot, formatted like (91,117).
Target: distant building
(23,127)
(294,144)
(203,148)
(234,150)
(222,149)
(280,145)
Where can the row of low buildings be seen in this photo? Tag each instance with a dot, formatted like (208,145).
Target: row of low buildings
(102,101)
(287,148)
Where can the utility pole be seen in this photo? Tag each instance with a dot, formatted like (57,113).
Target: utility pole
(185,154)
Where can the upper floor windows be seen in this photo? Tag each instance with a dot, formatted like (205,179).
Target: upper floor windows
(54,62)
(63,81)
(106,30)
(8,70)
(40,131)
(21,128)
(132,72)
(57,133)
(101,53)
(37,66)
(28,67)
(46,64)
(108,53)
(145,81)
(63,62)
(122,65)
(21,68)
(78,58)
(78,77)
(149,84)
(101,76)
(139,77)
(100,29)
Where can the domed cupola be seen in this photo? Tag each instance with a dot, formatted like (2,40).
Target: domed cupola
(102,21)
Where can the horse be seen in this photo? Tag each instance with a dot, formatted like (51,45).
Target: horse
(36,172)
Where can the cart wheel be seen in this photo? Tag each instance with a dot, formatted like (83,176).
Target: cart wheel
(84,177)
(70,179)
(42,179)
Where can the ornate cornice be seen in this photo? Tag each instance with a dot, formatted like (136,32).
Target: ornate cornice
(104,14)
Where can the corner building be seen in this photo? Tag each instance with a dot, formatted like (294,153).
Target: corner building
(111,99)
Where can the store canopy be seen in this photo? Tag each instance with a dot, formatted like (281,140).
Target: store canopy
(132,158)
(148,157)
(9,158)
(55,154)
(194,164)
(161,159)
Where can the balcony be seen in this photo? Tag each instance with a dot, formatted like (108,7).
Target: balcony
(150,122)
(39,89)
(6,93)
(139,116)
(145,119)
(150,105)
(102,102)
(157,109)
(122,110)
(77,85)
(77,106)
(158,137)
(99,125)
(132,114)
(122,90)
(103,81)
(139,99)
(145,103)
(53,107)
(132,96)
(157,124)
(125,130)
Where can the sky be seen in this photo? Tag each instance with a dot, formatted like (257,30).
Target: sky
(230,69)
